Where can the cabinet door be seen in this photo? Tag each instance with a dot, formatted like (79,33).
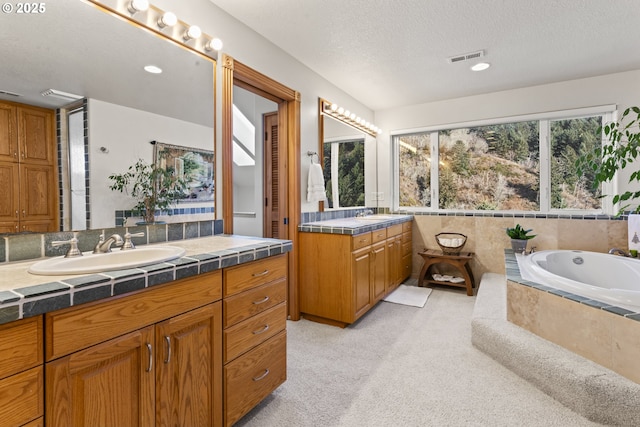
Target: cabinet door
(9,196)
(189,367)
(35,135)
(394,268)
(361,270)
(379,270)
(109,384)
(37,185)
(8,133)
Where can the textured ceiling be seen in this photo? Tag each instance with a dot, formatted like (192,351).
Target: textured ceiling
(390,53)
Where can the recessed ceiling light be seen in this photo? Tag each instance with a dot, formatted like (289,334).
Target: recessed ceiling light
(152,69)
(481,66)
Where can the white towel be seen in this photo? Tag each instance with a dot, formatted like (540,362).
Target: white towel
(315,186)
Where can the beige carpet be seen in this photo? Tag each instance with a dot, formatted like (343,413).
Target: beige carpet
(402,366)
(409,295)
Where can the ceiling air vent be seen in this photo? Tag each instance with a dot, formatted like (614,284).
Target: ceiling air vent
(466,56)
(4,92)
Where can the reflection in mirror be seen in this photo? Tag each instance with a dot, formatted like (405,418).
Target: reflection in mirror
(343,155)
(348,158)
(126,108)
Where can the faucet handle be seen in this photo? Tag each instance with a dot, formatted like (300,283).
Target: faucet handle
(73,247)
(128,244)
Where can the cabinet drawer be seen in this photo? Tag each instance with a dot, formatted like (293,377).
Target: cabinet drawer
(246,304)
(22,397)
(74,328)
(378,235)
(251,332)
(394,230)
(407,226)
(252,274)
(252,377)
(20,345)
(360,241)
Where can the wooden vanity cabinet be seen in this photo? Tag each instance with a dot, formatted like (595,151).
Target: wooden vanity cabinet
(254,336)
(27,169)
(152,358)
(343,276)
(21,373)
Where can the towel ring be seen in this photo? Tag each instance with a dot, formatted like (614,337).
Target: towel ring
(313,153)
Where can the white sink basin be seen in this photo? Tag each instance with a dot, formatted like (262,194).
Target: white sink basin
(116,260)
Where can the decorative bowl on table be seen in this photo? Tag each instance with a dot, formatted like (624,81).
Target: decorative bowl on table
(451,243)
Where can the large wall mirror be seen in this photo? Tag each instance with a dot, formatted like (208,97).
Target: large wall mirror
(348,158)
(78,48)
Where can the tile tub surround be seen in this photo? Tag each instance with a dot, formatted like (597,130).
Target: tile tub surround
(605,334)
(486,236)
(24,295)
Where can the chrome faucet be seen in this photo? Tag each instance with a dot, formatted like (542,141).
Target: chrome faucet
(104,246)
(364,213)
(617,251)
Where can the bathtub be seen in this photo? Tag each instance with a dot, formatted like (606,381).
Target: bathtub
(610,279)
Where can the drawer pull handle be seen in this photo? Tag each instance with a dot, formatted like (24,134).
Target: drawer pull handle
(263,300)
(260,274)
(264,329)
(150,365)
(168,341)
(259,377)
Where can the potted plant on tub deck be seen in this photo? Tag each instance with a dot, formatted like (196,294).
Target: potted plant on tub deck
(154,188)
(519,238)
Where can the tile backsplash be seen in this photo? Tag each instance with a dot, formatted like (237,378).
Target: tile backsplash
(26,246)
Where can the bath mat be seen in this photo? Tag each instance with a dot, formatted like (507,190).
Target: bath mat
(409,295)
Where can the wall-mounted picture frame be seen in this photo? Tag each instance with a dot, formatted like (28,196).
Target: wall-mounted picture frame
(194,165)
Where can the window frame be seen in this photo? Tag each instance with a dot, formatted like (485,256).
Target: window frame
(609,113)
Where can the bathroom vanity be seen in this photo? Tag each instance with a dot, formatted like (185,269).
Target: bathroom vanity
(348,265)
(199,340)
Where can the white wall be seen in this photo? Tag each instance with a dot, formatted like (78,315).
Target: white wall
(246,46)
(622,89)
(125,133)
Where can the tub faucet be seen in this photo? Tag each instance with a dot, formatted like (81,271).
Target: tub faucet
(617,251)
(104,246)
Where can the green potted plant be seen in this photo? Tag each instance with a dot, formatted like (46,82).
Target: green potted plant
(154,188)
(519,238)
(620,149)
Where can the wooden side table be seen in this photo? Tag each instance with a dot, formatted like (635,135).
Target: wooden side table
(460,262)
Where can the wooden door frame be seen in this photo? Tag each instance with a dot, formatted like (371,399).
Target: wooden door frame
(288,100)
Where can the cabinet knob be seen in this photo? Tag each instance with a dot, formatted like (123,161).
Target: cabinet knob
(17,214)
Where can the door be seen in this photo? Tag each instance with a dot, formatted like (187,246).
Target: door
(189,387)
(8,133)
(272,219)
(109,384)
(35,135)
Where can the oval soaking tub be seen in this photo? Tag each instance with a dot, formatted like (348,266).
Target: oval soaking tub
(610,279)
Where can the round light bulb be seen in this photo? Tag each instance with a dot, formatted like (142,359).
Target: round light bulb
(138,6)
(352,116)
(214,44)
(193,32)
(347,113)
(340,110)
(168,19)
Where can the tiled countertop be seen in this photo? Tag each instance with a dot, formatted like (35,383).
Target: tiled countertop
(23,294)
(354,225)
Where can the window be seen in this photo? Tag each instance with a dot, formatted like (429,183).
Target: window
(496,165)
(344,173)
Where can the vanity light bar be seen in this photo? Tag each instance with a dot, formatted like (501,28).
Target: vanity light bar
(350,118)
(165,23)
